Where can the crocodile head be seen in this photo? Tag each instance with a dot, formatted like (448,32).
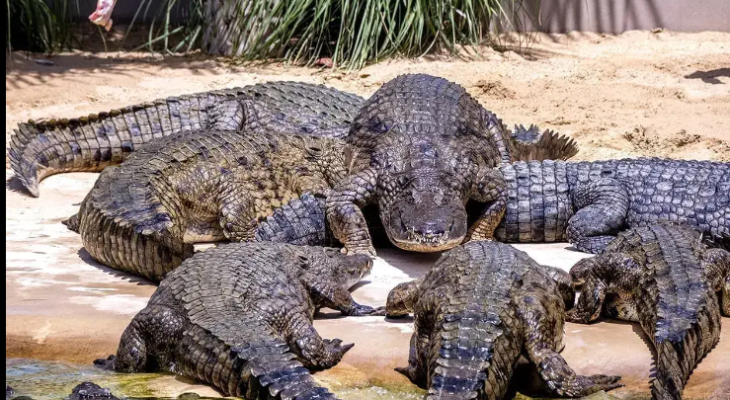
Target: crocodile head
(425,216)
(343,270)
(89,391)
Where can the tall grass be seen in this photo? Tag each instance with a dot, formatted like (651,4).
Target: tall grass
(351,33)
(355,32)
(37,25)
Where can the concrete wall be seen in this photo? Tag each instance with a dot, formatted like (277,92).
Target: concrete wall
(608,16)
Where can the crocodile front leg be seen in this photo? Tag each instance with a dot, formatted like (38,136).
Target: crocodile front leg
(601,209)
(490,187)
(344,212)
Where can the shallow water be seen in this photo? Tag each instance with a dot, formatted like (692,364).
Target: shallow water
(44,380)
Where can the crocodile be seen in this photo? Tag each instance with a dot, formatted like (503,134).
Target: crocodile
(424,148)
(92,143)
(91,391)
(588,203)
(663,277)
(481,307)
(239,317)
(144,216)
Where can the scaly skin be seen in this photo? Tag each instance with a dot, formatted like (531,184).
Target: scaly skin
(91,391)
(476,312)
(425,148)
(144,216)
(90,144)
(588,203)
(663,277)
(239,317)
(300,222)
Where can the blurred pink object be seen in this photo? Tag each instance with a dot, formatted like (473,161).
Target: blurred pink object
(103,14)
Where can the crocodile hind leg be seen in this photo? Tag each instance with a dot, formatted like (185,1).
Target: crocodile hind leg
(600,275)
(402,299)
(313,351)
(490,188)
(543,330)
(601,207)
(135,354)
(716,263)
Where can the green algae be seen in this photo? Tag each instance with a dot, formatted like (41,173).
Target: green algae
(43,380)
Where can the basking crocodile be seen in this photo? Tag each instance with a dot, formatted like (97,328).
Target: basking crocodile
(588,203)
(476,312)
(143,217)
(89,144)
(239,317)
(91,391)
(425,148)
(663,277)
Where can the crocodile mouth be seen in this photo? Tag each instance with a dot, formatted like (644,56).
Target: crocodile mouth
(427,243)
(427,247)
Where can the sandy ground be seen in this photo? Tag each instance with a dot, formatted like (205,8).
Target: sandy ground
(640,93)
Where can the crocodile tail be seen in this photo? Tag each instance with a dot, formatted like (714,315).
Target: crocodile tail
(679,355)
(461,368)
(300,222)
(272,372)
(89,144)
(130,248)
(529,144)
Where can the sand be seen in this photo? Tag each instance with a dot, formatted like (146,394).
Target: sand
(637,94)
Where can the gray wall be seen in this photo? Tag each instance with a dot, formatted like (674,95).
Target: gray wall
(616,16)
(609,16)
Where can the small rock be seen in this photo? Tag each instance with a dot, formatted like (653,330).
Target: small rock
(325,62)
(44,62)
(188,396)
(600,396)
(364,75)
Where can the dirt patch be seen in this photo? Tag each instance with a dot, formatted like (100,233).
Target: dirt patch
(494,89)
(596,88)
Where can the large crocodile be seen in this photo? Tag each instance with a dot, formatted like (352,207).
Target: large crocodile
(424,148)
(89,144)
(91,391)
(480,308)
(588,203)
(663,277)
(144,216)
(239,317)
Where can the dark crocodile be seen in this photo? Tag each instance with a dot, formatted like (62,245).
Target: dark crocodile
(239,317)
(425,148)
(91,391)
(89,144)
(144,216)
(476,312)
(663,277)
(588,203)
